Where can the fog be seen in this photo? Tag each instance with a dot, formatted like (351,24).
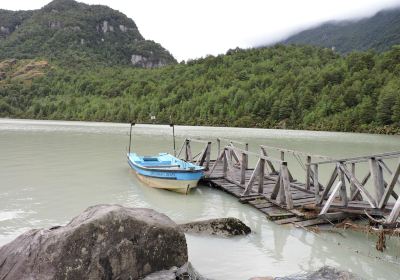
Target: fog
(192,29)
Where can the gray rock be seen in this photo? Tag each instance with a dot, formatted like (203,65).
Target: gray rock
(105,26)
(324,273)
(146,62)
(185,272)
(123,28)
(55,24)
(104,242)
(225,227)
(4,30)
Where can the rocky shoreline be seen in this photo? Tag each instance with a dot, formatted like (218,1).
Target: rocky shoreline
(116,242)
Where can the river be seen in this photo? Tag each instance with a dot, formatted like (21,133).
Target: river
(50,171)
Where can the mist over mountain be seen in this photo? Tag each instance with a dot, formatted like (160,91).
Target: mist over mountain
(73,32)
(378,32)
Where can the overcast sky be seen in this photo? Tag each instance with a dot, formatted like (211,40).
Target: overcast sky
(195,28)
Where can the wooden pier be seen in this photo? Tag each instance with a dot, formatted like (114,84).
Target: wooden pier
(271,188)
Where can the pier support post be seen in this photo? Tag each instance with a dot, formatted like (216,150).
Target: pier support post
(316,183)
(243,166)
(308,173)
(225,168)
(286,186)
(261,176)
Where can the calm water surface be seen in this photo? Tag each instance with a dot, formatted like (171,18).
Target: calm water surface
(51,171)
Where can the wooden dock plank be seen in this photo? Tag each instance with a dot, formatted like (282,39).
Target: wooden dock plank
(288,220)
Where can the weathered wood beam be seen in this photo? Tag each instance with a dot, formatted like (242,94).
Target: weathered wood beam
(218,160)
(235,156)
(281,199)
(363,182)
(225,168)
(252,178)
(189,156)
(229,160)
(359,186)
(353,188)
(390,186)
(269,163)
(331,198)
(316,183)
(208,155)
(328,186)
(295,152)
(200,160)
(276,188)
(254,154)
(198,140)
(243,169)
(377,177)
(308,173)
(261,170)
(342,190)
(385,167)
(180,150)
(362,158)
(394,214)
(286,186)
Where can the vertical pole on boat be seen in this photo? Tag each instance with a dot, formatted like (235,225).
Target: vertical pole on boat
(130,138)
(173,136)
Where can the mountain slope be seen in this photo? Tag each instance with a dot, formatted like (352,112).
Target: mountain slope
(73,32)
(379,32)
(297,87)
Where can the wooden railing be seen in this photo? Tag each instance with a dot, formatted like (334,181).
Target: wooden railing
(344,171)
(202,158)
(302,158)
(235,163)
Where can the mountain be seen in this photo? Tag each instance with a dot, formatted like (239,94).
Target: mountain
(378,32)
(71,32)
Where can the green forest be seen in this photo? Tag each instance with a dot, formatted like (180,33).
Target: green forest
(293,87)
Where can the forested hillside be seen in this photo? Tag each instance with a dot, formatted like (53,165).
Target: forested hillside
(282,86)
(74,33)
(379,32)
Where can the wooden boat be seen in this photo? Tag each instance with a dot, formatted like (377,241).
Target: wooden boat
(165,171)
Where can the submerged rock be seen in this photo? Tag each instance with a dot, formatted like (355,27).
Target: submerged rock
(324,273)
(104,242)
(185,272)
(222,227)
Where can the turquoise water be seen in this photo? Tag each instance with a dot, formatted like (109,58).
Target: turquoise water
(51,171)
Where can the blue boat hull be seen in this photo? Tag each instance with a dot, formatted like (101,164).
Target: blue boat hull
(166,172)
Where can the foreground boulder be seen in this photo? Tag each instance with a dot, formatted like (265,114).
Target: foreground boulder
(104,242)
(225,227)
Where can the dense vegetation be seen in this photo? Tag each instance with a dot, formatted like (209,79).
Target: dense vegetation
(379,32)
(72,61)
(76,33)
(281,86)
